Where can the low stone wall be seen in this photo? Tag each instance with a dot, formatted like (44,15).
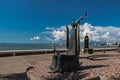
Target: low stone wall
(104,49)
(44,51)
(29,52)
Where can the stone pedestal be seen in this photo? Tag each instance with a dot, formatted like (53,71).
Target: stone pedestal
(88,50)
(64,63)
(118,49)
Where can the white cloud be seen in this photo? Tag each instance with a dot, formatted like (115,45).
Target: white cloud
(50,28)
(96,33)
(35,38)
(59,35)
(106,35)
(87,28)
(101,33)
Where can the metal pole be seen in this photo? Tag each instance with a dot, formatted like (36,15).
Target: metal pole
(67,37)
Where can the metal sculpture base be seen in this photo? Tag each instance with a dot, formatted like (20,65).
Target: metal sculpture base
(88,50)
(64,63)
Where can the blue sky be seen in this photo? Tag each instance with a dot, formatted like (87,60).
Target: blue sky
(43,21)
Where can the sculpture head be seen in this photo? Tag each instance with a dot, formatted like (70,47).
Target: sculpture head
(73,24)
(86,36)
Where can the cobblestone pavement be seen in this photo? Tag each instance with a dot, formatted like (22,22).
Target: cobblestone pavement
(105,65)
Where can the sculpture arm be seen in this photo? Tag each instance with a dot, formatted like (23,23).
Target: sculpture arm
(81,18)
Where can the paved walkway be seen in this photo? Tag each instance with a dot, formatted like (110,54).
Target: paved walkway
(14,67)
(104,66)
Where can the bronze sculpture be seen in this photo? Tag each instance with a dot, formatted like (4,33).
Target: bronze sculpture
(86,41)
(86,45)
(69,62)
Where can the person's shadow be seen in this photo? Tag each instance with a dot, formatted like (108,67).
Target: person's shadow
(14,76)
(92,67)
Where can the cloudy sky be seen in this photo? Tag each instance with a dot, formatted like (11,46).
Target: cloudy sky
(43,21)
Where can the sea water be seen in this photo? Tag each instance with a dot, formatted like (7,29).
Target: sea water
(29,46)
(32,46)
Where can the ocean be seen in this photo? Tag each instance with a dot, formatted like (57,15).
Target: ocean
(29,46)
(32,46)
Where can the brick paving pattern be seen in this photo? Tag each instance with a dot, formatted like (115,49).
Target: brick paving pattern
(105,65)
